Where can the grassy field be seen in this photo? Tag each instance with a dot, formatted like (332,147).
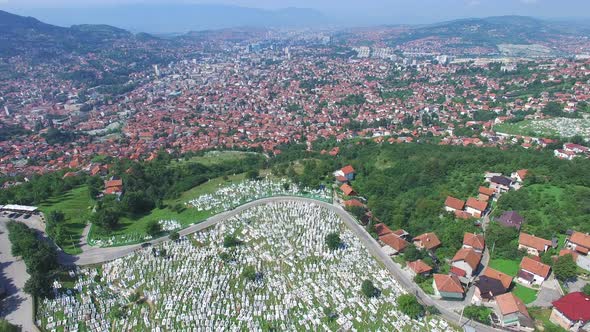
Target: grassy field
(509,267)
(562,127)
(76,205)
(527,295)
(132,229)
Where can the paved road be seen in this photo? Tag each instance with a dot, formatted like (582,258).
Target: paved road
(17,308)
(93,255)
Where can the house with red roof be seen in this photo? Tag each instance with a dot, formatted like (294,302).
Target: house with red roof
(419,268)
(512,313)
(572,312)
(532,272)
(475,207)
(453,204)
(474,241)
(427,241)
(113,187)
(347,190)
(485,194)
(532,244)
(345,172)
(465,263)
(447,287)
(396,243)
(578,241)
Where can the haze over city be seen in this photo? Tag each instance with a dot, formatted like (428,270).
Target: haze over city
(257,165)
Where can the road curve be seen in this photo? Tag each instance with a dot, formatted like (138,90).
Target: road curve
(99,255)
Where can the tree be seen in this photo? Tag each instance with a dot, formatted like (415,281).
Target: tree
(5,326)
(38,285)
(116,312)
(478,313)
(409,305)
(231,241)
(368,289)
(137,202)
(586,289)
(174,236)
(249,273)
(253,174)
(153,228)
(333,241)
(565,268)
(411,253)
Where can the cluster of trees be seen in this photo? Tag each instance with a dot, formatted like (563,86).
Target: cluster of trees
(409,305)
(57,136)
(9,131)
(39,256)
(148,184)
(352,99)
(55,228)
(39,188)
(368,289)
(478,313)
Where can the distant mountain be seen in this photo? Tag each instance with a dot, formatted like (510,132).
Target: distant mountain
(181,18)
(27,35)
(492,31)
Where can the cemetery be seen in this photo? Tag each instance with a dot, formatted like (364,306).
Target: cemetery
(562,127)
(220,199)
(266,268)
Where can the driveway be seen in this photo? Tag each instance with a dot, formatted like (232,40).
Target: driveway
(549,292)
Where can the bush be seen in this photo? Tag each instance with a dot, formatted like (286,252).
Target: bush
(565,268)
(249,273)
(368,289)
(174,236)
(333,241)
(231,241)
(153,227)
(409,305)
(478,313)
(586,289)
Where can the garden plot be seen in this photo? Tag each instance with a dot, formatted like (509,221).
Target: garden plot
(197,283)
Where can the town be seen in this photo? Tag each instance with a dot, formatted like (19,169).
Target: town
(387,178)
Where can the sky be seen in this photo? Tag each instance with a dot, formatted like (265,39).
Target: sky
(345,12)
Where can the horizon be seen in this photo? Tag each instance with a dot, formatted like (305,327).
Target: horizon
(67,13)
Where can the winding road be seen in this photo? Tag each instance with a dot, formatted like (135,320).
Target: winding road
(95,255)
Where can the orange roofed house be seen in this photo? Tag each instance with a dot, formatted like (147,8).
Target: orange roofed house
(347,190)
(532,244)
(419,267)
(453,204)
(490,284)
(474,241)
(347,172)
(579,242)
(512,313)
(532,272)
(427,241)
(113,187)
(393,243)
(465,263)
(475,207)
(447,287)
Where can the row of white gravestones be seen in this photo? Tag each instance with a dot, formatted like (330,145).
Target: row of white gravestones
(194,289)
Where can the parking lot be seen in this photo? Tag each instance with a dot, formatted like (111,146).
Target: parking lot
(33,220)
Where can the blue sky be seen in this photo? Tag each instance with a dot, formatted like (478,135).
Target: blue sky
(363,12)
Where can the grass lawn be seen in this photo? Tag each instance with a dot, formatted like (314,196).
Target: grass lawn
(76,205)
(206,188)
(527,295)
(541,317)
(133,228)
(509,267)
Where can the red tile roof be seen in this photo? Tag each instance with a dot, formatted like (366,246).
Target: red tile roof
(347,190)
(505,279)
(347,169)
(447,283)
(486,191)
(533,241)
(509,304)
(419,266)
(454,203)
(382,229)
(580,239)
(575,306)
(470,256)
(535,267)
(394,241)
(476,204)
(475,241)
(428,240)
